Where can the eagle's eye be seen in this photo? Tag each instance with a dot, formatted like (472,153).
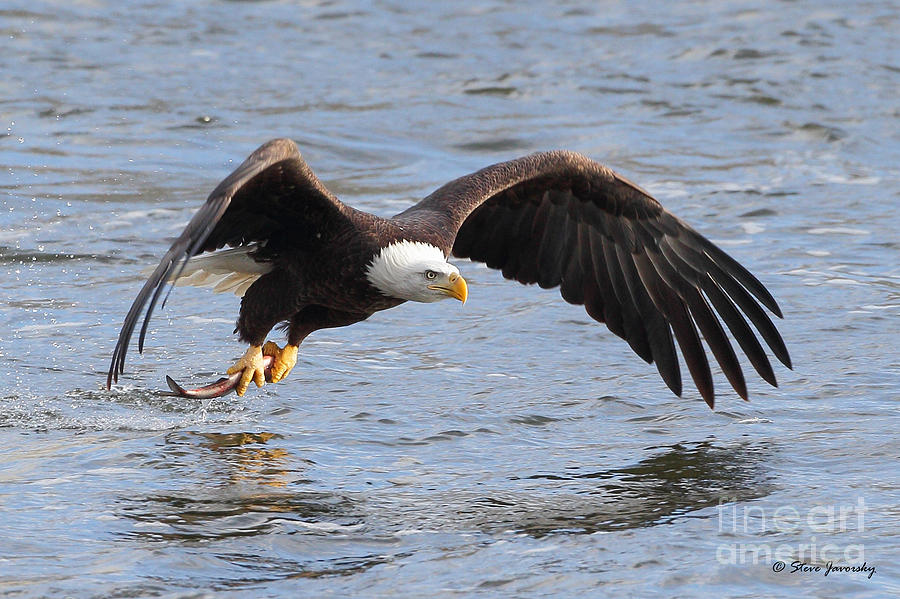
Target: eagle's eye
(430,275)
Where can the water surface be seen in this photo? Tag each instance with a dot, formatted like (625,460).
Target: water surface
(509,446)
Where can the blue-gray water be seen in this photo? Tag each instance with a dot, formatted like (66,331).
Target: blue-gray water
(511,446)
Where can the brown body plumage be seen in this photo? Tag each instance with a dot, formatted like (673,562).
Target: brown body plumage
(557,219)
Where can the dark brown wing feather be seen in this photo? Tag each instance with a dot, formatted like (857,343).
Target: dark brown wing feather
(561,219)
(273,197)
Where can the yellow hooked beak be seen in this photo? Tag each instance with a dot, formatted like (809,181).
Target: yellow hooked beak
(457,287)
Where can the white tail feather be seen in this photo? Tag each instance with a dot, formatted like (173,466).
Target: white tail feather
(227,270)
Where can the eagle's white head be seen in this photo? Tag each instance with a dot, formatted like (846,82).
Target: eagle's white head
(415,271)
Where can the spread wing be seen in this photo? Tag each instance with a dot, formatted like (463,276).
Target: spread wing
(559,219)
(273,198)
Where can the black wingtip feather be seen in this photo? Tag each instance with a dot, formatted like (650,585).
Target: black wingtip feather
(683,278)
(739,294)
(667,362)
(677,314)
(632,318)
(739,329)
(735,269)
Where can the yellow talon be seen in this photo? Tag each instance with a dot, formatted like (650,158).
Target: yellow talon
(252,368)
(284,362)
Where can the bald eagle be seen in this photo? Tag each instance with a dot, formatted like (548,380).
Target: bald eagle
(301,258)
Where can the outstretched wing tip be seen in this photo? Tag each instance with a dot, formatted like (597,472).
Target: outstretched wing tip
(633,265)
(263,177)
(777,312)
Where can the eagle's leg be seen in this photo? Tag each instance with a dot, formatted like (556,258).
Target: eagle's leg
(252,368)
(268,301)
(285,359)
